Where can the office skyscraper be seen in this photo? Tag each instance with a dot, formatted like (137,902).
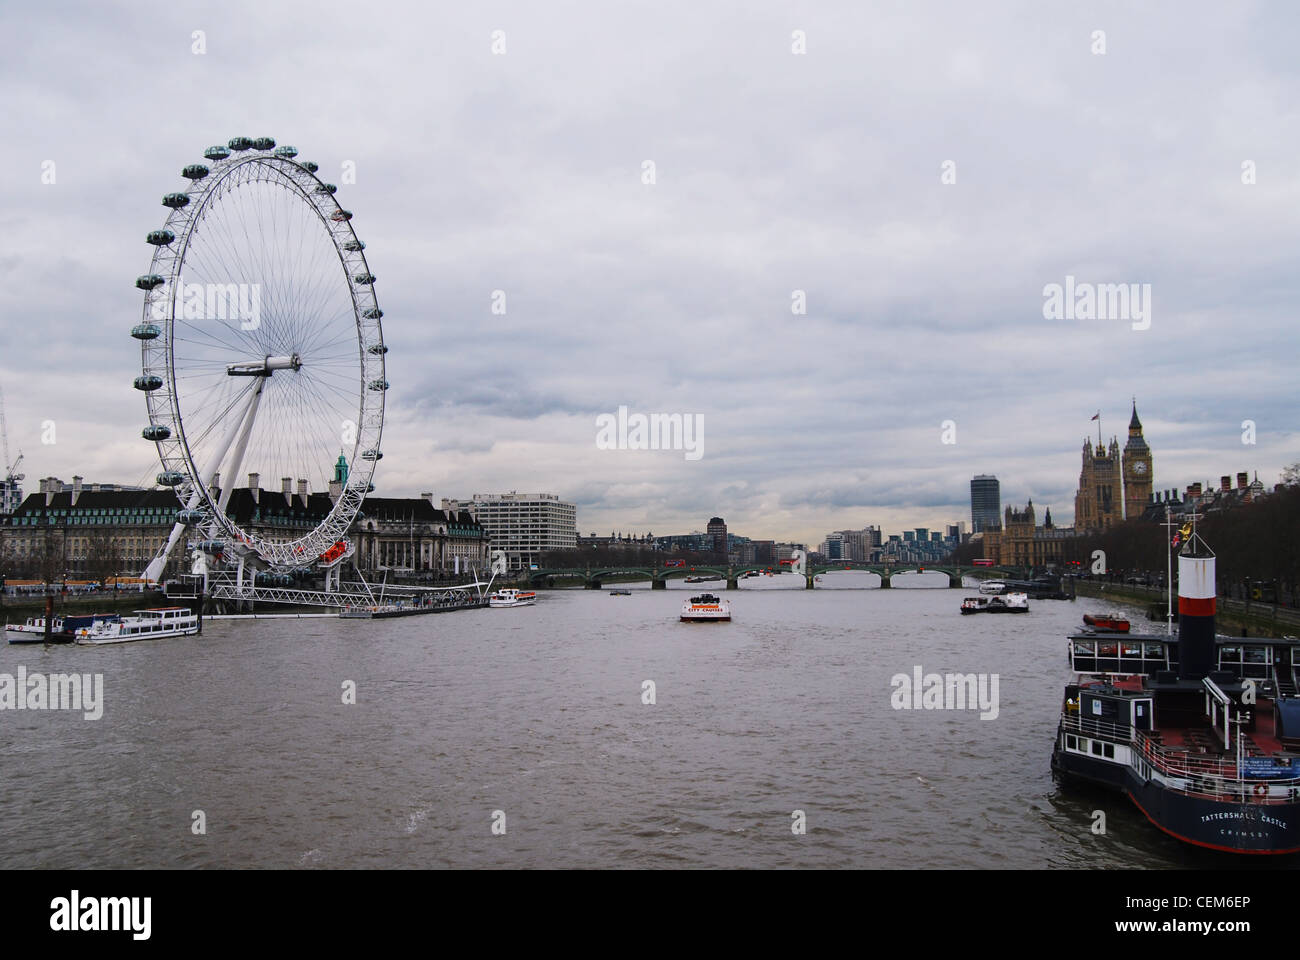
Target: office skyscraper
(985,503)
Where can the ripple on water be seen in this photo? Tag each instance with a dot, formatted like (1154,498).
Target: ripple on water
(538,713)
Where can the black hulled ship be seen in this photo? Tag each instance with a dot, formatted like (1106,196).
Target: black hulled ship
(1201,732)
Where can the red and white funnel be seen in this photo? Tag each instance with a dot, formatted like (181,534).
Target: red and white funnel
(1196,593)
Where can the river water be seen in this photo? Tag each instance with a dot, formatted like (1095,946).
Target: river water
(533,720)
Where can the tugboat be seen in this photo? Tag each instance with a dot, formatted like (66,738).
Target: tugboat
(706,608)
(1201,732)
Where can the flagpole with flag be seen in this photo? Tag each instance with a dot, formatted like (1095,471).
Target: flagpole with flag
(1097,416)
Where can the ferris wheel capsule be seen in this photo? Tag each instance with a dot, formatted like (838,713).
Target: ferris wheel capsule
(216,153)
(156,432)
(240,144)
(195,171)
(264,143)
(149,281)
(176,200)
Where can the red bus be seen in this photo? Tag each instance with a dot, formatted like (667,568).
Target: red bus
(674,563)
(981,562)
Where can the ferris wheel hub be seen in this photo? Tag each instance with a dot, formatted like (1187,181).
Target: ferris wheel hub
(265,367)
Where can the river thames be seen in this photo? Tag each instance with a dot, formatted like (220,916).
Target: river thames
(534,720)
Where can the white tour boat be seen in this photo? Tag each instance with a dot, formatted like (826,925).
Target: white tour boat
(145,625)
(509,597)
(706,608)
(992,587)
(1006,603)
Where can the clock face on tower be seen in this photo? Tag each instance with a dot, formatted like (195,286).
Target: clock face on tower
(1139,468)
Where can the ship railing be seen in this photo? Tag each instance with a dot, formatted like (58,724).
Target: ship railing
(1193,774)
(1214,777)
(1101,729)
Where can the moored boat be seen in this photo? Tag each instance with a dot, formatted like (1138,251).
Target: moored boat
(706,608)
(33,631)
(62,629)
(992,587)
(1200,732)
(152,624)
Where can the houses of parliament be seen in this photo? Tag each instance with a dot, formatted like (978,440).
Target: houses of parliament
(1113,486)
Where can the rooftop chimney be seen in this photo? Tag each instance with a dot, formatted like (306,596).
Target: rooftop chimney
(303,492)
(254,488)
(216,481)
(1225,483)
(1242,481)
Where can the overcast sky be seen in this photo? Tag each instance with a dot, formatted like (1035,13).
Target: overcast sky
(774,172)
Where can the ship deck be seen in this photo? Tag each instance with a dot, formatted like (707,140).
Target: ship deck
(1205,740)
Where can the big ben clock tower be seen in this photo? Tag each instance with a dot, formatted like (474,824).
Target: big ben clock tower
(1138,481)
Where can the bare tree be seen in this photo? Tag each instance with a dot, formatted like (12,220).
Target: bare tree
(103,556)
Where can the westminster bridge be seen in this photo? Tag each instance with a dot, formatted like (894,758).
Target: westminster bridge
(594,578)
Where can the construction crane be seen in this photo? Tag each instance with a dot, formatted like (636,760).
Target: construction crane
(10,492)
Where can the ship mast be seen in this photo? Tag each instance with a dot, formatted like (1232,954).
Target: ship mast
(1169,571)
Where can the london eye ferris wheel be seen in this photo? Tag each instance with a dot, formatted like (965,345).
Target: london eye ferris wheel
(261,347)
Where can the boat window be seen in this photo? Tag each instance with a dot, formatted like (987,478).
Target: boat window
(1232,654)
(1256,654)
(1096,747)
(1132,650)
(1085,648)
(1155,651)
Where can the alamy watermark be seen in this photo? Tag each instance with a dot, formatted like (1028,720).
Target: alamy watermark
(55,691)
(655,431)
(77,913)
(1098,301)
(946,691)
(212,301)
